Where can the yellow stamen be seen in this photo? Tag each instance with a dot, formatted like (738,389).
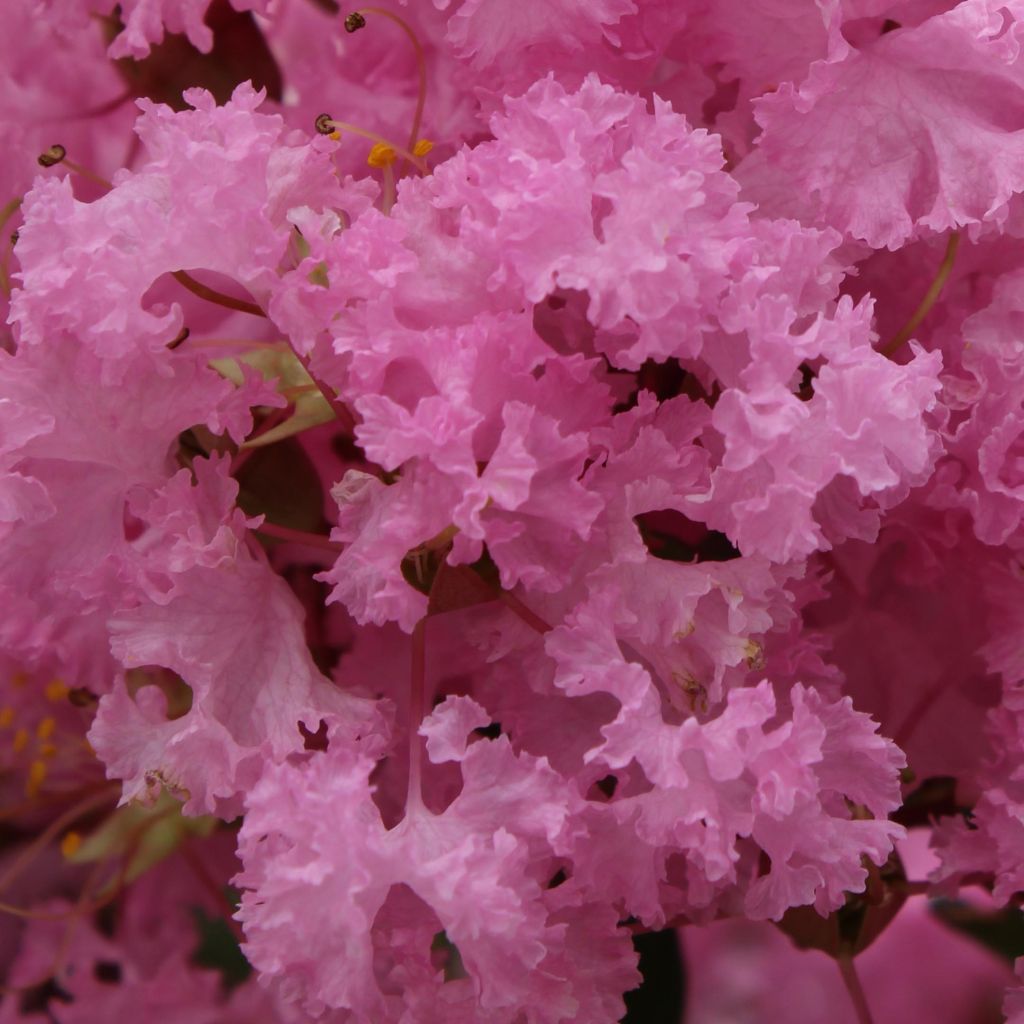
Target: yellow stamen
(70,843)
(753,653)
(46,728)
(335,135)
(6,717)
(20,741)
(36,777)
(422,148)
(56,690)
(325,123)
(47,749)
(382,155)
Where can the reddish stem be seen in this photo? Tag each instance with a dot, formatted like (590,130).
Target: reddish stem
(531,618)
(312,540)
(212,295)
(856,990)
(345,417)
(417,691)
(275,418)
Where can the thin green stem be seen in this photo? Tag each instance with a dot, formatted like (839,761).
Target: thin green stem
(931,296)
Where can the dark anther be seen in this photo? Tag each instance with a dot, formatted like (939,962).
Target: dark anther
(890,26)
(80,697)
(37,999)
(805,392)
(107,971)
(323,124)
(14,237)
(182,337)
(354,22)
(52,156)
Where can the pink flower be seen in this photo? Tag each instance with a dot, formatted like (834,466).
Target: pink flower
(528,411)
(930,152)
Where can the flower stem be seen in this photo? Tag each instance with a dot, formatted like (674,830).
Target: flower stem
(247,449)
(854,987)
(340,409)
(286,533)
(531,618)
(417,691)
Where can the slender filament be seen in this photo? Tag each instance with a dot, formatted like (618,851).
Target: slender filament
(929,300)
(214,296)
(312,540)
(421,68)
(345,126)
(93,800)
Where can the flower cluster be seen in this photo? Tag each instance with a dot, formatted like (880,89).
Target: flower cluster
(569,490)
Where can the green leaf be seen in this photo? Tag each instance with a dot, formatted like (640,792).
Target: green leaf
(218,949)
(280,364)
(443,950)
(141,835)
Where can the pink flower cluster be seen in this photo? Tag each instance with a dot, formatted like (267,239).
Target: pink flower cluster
(570,489)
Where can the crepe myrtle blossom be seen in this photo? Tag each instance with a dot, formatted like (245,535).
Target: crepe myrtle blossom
(484,487)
